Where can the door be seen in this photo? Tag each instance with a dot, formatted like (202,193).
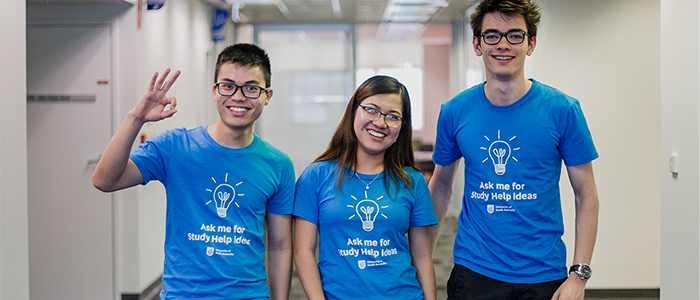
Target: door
(71,245)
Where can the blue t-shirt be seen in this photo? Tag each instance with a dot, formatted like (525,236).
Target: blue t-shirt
(217,199)
(363,247)
(510,226)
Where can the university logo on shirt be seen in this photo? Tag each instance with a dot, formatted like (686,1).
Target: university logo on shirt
(362,264)
(490,208)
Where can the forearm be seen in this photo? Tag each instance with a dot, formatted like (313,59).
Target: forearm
(305,234)
(586,229)
(279,273)
(279,267)
(422,259)
(309,276)
(587,206)
(426,277)
(440,187)
(114,160)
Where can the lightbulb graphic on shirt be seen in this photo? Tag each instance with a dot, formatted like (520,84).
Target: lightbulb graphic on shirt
(223,195)
(499,153)
(367,210)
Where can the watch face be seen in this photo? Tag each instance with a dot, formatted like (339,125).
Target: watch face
(585,271)
(582,270)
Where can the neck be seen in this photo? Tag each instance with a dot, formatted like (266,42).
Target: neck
(230,137)
(369,164)
(502,93)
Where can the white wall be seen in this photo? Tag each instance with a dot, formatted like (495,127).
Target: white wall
(607,55)
(680,69)
(14,266)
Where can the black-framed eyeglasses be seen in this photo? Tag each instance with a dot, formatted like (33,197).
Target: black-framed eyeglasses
(513,37)
(372,114)
(249,90)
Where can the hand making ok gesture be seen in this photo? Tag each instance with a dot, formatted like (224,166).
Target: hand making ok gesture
(152,106)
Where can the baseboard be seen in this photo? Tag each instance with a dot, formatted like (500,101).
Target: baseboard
(150,293)
(131,297)
(623,293)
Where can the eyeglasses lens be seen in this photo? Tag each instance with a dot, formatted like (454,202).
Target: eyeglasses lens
(513,37)
(373,114)
(249,91)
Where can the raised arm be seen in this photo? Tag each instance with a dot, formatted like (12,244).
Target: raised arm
(115,171)
(441,190)
(305,258)
(279,258)
(586,197)
(422,259)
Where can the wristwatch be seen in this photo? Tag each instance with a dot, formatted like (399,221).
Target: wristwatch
(582,270)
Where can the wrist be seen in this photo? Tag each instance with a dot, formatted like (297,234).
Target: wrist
(133,118)
(582,270)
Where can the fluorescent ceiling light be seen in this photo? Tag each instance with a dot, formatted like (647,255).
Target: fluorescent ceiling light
(254,2)
(336,8)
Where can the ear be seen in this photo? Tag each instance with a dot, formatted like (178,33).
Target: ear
(213,90)
(477,45)
(269,95)
(531,45)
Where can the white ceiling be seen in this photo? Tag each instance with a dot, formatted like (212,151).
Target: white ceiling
(347,11)
(313,11)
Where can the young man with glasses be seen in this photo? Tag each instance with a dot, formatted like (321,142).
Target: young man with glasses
(513,134)
(222,181)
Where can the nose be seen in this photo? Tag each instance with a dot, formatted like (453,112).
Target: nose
(238,94)
(503,44)
(381,121)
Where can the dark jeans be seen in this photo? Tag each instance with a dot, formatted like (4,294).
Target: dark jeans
(465,284)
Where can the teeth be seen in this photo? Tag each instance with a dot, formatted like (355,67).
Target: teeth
(502,57)
(238,109)
(377,134)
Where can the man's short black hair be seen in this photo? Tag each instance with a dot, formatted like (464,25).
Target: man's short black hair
(246,55)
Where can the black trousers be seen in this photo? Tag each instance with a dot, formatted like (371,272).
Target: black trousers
(465,284)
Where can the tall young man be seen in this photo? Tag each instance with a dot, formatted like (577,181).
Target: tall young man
(222,183)
(513,134)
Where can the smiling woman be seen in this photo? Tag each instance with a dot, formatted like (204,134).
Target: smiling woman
(371,142)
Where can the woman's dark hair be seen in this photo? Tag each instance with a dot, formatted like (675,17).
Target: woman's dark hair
(343,145)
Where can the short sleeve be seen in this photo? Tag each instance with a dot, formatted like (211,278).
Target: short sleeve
(150,157)
(282,202)
(446,149)
(423,213)
(306,195)
(577,143)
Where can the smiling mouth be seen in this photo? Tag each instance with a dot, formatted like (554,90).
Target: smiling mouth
(376,133)
(503,57)
(238,109)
